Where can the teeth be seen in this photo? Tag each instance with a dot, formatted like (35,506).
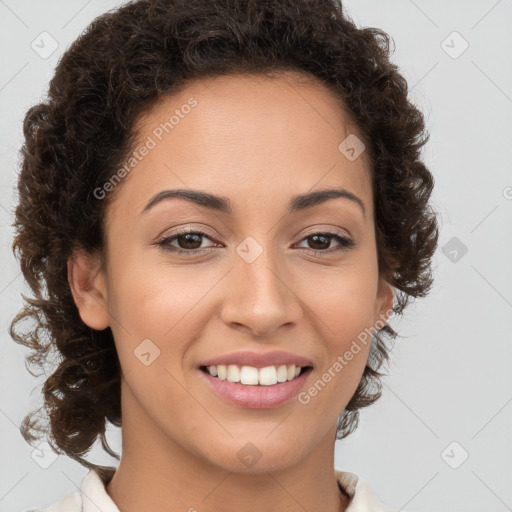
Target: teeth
(249,375)
(282,373)
(233,373)
(252,376)
(220,370)
(267,376)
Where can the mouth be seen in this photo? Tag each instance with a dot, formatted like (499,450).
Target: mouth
(241,386)
(252,376)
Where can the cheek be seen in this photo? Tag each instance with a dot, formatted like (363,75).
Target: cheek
(163,304)
(344,309)
(345,301)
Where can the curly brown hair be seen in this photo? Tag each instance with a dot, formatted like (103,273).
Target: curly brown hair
(118,67)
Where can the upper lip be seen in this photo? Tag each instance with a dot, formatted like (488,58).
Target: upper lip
(259,360)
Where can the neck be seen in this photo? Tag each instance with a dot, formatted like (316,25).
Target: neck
(158,474)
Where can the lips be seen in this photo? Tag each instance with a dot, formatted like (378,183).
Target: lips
(258,359)
(256,397)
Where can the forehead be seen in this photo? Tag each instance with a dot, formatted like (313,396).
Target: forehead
(251,138)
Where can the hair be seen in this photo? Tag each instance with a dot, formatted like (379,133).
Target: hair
(75,139)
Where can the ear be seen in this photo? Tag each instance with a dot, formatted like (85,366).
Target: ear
(88,286)
(384,301)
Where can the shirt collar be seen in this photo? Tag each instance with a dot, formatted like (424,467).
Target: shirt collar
(362,499)
(94,494)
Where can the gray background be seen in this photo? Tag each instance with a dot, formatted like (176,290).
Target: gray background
(449,392)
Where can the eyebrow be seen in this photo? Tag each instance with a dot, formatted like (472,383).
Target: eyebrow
(224,205)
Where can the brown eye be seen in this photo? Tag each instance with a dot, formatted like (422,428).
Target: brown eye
(320,242)
(188,242)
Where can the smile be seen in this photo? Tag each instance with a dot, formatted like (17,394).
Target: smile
(274,390)
(252,376)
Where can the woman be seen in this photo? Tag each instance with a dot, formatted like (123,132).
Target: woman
(221,204)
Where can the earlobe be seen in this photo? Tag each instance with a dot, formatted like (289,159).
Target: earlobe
(385,302)
(88,287)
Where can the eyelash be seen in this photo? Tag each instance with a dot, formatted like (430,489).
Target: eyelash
(164,244)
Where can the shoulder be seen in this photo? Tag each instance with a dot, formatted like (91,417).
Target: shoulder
(91,496)
(362,498)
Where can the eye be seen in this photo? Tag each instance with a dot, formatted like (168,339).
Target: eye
(189,242)
(321,240)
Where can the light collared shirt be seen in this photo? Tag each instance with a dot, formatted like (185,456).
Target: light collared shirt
(93,497)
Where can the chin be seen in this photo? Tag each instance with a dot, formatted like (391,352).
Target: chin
(246,456)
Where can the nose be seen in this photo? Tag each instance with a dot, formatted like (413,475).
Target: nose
(260,297)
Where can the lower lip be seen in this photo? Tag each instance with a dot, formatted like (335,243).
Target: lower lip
(257,397)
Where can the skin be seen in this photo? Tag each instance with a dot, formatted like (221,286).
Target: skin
(258,141)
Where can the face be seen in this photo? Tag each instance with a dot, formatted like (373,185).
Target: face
(259,273)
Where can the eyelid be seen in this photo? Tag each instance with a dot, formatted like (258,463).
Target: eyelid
(204,231)
(189,229)
(328,231)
